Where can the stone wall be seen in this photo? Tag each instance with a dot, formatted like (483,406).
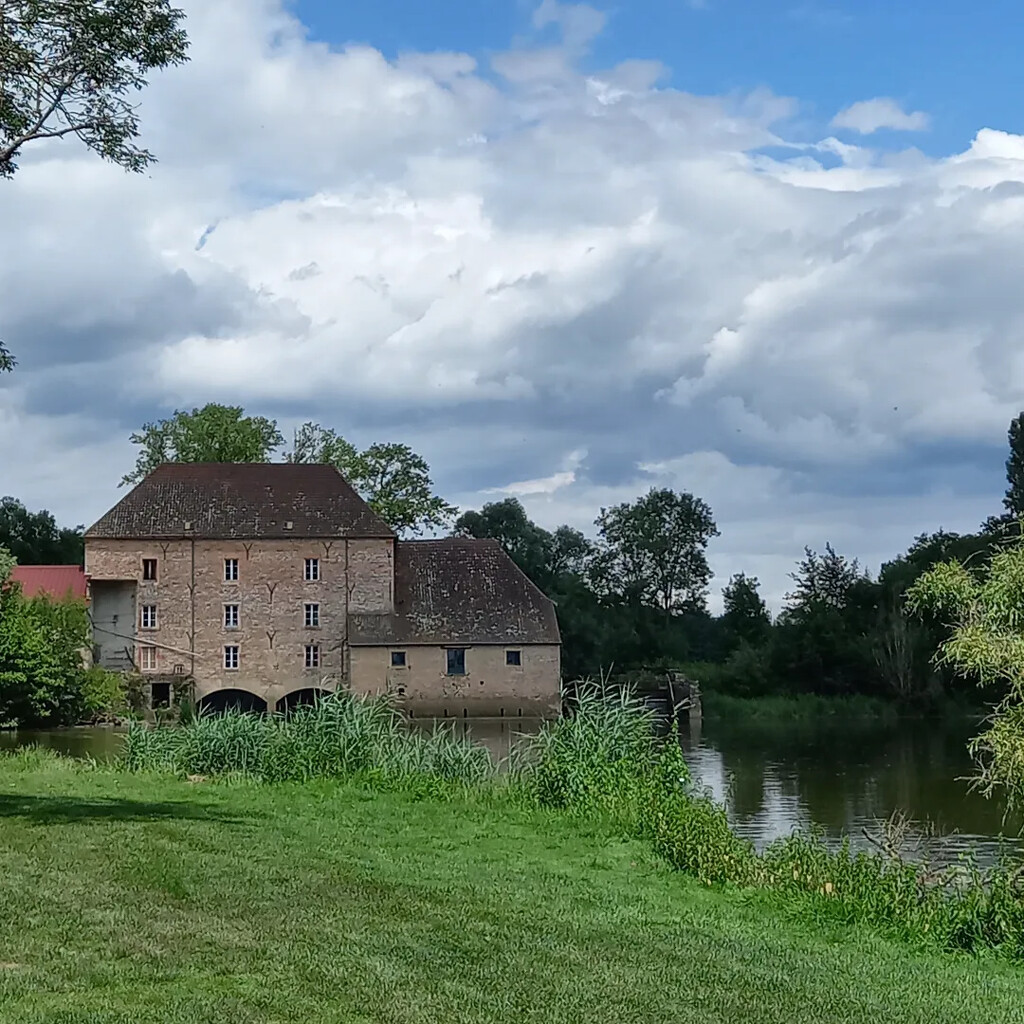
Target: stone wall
(490,688)
(190,593)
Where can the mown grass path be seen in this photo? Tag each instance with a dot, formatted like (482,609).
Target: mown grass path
(142,899)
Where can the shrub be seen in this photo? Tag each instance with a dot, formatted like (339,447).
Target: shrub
(103,694)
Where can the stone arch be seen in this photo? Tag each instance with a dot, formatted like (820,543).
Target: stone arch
(219,701)
(298,698)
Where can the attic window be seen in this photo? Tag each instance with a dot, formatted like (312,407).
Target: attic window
(514,658)
(149,568)
(398,659)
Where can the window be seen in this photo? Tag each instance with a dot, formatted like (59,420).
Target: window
(312,655)
(456,661)
(231,616)
(160,695)
(398,659)
(513,657)
(149,616)
(230,570)
(147,658)
(312,568)
(149,568)
(312,615)
(231,656)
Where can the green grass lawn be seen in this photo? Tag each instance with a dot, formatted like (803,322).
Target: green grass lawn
(136,899)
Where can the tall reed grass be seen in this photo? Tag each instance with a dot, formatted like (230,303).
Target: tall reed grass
(337,737)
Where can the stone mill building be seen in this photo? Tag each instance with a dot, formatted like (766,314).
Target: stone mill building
(263,584)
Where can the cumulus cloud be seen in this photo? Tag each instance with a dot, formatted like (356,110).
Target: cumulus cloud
(560,283)
(868,116)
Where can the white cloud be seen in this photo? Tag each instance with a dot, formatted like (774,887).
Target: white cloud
(868,116)
(543,284)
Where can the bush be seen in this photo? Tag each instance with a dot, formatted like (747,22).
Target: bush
(103,694)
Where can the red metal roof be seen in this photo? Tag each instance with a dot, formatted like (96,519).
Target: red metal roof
(56,581)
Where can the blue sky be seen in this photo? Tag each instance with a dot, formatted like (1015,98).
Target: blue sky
(957,61)
(555,275)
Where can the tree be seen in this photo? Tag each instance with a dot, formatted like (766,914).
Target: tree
(215,433)
(394,481)
(1014,499)
(7,361)
(986,642)
(826,579)
(653,552)
(745,616)
(70,67)
(7,564)
(35,539)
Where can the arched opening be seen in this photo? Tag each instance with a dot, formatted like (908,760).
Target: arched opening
(300,698)
(219,701)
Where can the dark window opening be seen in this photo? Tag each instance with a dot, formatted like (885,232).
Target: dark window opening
(398,659)
(149,568)
(513,657)
(456,661)
(161,695)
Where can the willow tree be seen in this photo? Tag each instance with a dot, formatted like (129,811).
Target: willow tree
(984,611)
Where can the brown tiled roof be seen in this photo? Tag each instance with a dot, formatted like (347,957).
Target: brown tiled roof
(458,592)
(56,581)
(235,500)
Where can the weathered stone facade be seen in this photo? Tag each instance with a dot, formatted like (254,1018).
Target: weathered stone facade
(490,687)
(191,594)
(316,596)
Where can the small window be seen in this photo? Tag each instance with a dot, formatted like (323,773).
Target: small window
(456,661)
(398,659)
(149,568)
(147,658)
(312,615)
(231,656)
(231,616)
(230,570)
(160,696)
(312,568)
(513,657)
(149,616)
(312,655)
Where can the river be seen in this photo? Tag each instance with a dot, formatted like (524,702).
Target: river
(777,776)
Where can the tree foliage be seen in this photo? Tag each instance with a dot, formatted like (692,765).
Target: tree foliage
(34,537)
(745,616)
(1014,499)
(214,433)
(653,551)
(41,641)
(392,478)
(985,613)
(7,361)
(72,68)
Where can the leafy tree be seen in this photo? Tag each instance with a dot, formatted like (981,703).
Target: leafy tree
(41,671)
(215,433)
(652,552)
(745,617)
(985,613)
(35,539)
(1014,499)
(7,564)
(70,67)
(826,579)
(392,478)
(7,361)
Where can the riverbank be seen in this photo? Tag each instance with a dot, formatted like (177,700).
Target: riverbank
(816,709)
(146,898)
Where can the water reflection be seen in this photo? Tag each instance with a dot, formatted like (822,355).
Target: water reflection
(845,778)
(100,744)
